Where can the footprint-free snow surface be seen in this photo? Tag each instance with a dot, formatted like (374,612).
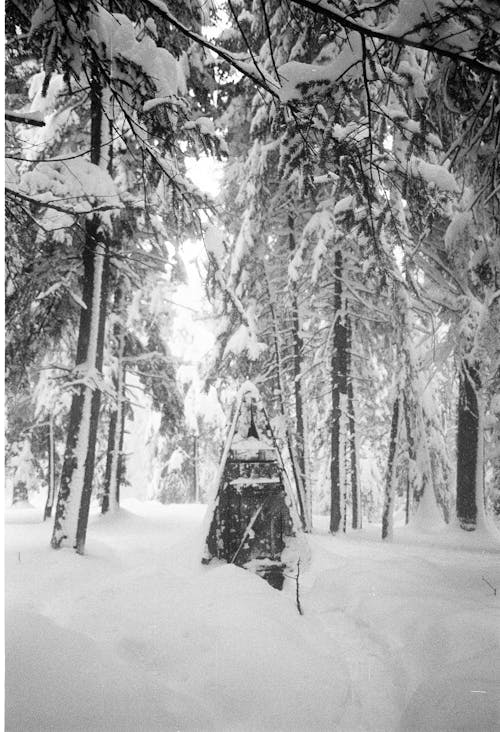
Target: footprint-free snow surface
(138,635)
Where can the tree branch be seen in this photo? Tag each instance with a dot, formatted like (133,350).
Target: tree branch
(323,7)
(63,209)
(25,118)
(249,70)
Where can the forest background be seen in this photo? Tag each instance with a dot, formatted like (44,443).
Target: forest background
(350,261)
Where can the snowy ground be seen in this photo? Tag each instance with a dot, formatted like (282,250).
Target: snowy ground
(137,635)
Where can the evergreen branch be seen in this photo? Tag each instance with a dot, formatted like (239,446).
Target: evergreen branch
(56,207)
(321,7)
(246,69)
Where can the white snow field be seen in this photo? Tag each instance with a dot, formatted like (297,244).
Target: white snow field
(138,635)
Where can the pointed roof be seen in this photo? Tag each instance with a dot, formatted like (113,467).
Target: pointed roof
(249,435)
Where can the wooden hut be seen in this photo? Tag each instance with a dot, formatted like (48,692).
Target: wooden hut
(252,519)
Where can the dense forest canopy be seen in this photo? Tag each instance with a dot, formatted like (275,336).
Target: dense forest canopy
(351,259)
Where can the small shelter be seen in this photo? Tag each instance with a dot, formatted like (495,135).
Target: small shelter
(252,520)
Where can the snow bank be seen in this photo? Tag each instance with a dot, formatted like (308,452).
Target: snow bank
(144,637)
(137,635)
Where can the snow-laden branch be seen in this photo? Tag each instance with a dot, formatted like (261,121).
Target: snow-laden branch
(248,69)
(144,357)
(72,211)
(416,31)
(25,118)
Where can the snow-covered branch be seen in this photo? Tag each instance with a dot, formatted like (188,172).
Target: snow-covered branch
(408,29)
(25,118)
(247,68)
(72,211)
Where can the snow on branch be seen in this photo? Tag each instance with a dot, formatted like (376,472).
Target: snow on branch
(295,75)
(70,210)
(72,187)
(144,357)
(433,27)
(247,68)
(25,118)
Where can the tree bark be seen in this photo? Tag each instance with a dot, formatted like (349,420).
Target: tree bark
(301,497)
(51,493)
(298,346)
(412,460)
(195,470)
(339,400)
(467,446)
(72,511)
(109,457)
(357,519)
(390,479)
(114,472)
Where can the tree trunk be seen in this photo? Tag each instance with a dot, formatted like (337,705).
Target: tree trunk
(298,346)
(114,471)
(71,519)
(468,443)
(301,497)
(390,479)
(353,456)
(412,460)
(51,493)
(195,470)
(339,401)
(109,457)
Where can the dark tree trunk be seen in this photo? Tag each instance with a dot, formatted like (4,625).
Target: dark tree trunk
(390,475)
(84,411)
(109,460)
(357,519)
(301,498)
(71,519)
(339,399)
(412,459)
(51,469)
(467,445)
(298,346)
(407,500)
(196,485)
(114,472)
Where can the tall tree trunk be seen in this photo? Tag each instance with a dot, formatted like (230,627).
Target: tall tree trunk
(301,497)
(353,455)
(51,493)
(195,470)
(105,501)
(339,400)
(390,478)
(468,444)
(114,471)
(298,346)
(71,519)
(411,480)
